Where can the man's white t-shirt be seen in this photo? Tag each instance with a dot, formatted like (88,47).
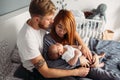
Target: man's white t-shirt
(30,44)
(70,53)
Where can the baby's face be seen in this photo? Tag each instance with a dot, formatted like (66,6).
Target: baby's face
(59,47)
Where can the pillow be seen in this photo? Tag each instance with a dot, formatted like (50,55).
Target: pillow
(5,62)
(15,58)
(79,16)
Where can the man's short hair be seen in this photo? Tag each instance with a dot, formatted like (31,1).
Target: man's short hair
(41,7)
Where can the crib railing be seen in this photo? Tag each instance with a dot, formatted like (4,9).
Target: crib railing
(90,29)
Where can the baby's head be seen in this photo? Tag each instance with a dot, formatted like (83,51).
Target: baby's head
(55,51)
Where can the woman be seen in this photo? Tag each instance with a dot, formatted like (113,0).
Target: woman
(64,32)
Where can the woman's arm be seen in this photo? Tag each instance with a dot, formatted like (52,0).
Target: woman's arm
(85,50)
(42,67)
(56,73)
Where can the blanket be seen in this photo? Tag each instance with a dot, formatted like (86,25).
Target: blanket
(111,49)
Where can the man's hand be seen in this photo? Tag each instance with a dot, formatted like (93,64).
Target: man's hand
(82,71)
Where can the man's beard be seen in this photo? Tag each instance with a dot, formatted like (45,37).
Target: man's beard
(41,26)
(44,27)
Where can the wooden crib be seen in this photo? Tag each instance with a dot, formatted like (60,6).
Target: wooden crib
(90,28)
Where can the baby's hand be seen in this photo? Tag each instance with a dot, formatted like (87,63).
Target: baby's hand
(77,53)
(79,47)
(84,62)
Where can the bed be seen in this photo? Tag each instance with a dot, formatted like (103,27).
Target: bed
(91,32)
(111,49)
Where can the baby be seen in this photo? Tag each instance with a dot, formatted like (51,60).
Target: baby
(71,54)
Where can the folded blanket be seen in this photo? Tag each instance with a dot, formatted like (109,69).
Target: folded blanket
(118,65)
(112,50)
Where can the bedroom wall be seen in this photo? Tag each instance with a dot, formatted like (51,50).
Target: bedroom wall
(11,23)
(112,12)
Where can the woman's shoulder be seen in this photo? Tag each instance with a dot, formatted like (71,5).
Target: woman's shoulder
(48,38)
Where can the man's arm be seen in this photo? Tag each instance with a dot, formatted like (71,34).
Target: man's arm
(56,73)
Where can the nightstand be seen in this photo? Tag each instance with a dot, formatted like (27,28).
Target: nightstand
(108,35)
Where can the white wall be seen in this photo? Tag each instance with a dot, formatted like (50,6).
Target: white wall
(10,24)
(112,12)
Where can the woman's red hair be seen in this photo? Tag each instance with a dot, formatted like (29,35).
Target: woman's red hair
(67,18)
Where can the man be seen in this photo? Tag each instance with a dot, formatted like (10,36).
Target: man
(30,42)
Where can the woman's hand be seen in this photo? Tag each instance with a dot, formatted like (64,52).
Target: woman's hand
(85,50)
(96,62)
(87,53)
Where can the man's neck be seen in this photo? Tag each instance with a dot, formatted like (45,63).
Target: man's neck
(32,24)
